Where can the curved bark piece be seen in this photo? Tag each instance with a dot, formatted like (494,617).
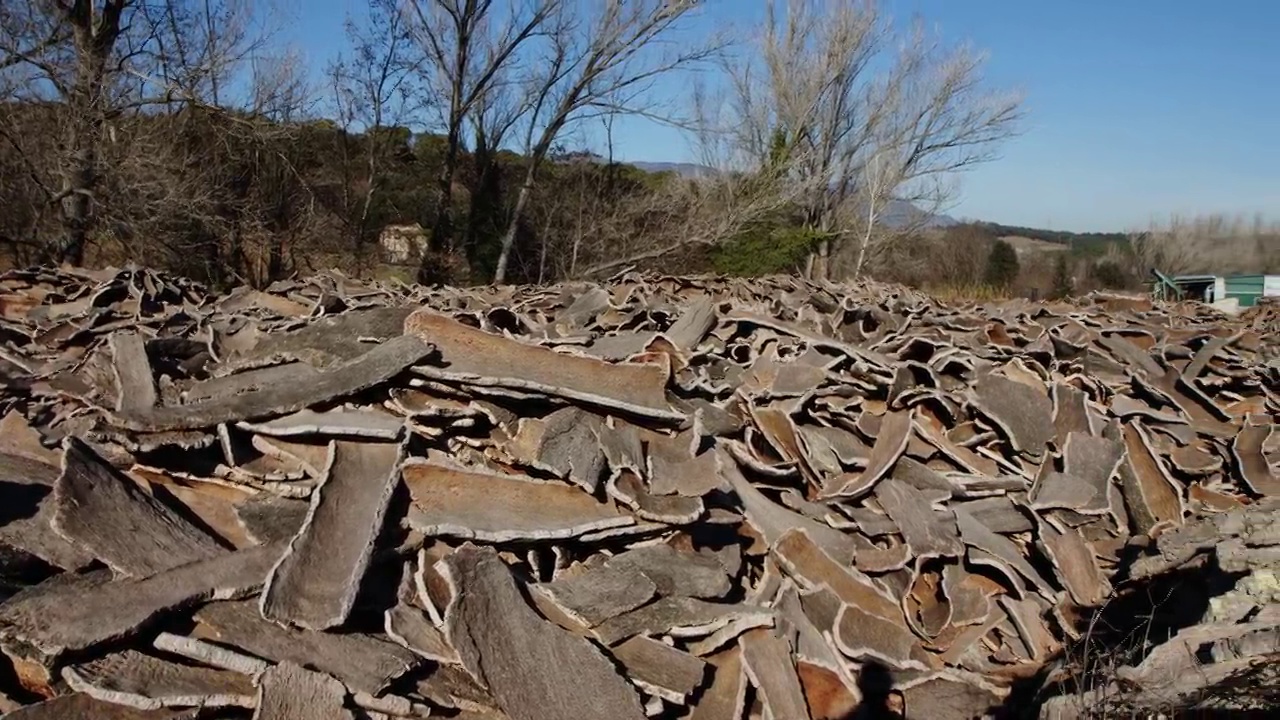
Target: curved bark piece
(362,662)
(501,508)
(674,469)
(80,705)
(627,488)
(290,692)
(1150,492)
(977,535)
(924,532)
(891,443)
(330,339)
(374,367)
(1254,468)
(315,583)
(944,697)
(598,594)
(270,519)
(682,617)
(369,424)
(110,516)
(863,636)
(255,380)
(725,698)
(28,502)
(673,572)
(803,560)
(535,670)
(1024,414)
(565,443)
(772,520)
(1201,359)
(769,665)
(412,628)
(659,669)
(209,654)
(1088,464)
(149,683)
(1076,565)
(1137,359)
(135,385)
(71,613)
(693,324)
(475,357)
(1070,411)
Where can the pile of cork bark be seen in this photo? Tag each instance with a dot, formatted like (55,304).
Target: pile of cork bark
(652,497)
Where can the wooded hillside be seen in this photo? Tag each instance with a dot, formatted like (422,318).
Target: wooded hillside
(185,135)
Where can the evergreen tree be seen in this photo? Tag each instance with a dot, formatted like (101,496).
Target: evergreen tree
(1062,285)
(1002,265)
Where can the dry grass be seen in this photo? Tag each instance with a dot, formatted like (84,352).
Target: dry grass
(968,292)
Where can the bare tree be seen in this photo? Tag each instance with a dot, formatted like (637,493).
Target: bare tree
(606,61)
(1214,243)
(465,48)
(374,88)
(862,126)
(84,71)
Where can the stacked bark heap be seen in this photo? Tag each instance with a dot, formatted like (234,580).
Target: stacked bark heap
(655,497)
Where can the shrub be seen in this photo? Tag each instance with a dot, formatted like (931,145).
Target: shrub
(1002,265)
(765,250)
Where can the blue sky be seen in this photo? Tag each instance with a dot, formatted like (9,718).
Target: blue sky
(1135,108)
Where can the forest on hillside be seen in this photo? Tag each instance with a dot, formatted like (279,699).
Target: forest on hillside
(186,135)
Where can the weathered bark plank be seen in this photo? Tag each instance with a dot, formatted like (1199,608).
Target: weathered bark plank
(977,535)
(725,698)
(74,613)
(659,669)
(290,692)
(891,442)
(374,367)
(362,662)
(680,617)
(79,705)
(316,581)
(673,572)
(627,488)
(476,357)
(1076,565)
(1024,414)
(501,508)
(1088,465)
(534,669)
(149,683)
(926,534)
(565,443)
(110,516)
(1247,450)
(769,665)
(1150,492)
(371,424)
(135,385)
(598,594)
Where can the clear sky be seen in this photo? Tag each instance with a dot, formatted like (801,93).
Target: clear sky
(1135,108)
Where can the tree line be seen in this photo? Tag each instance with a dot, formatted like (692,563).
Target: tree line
(184,134)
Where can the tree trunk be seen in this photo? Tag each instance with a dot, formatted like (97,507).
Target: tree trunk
(820,269)
(442,227)
(509,238)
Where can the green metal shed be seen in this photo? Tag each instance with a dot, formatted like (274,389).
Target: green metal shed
(1244,289)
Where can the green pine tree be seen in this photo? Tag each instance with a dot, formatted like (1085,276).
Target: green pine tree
(1062,286)
(1002,265)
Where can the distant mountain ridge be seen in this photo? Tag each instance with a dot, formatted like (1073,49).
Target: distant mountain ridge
(899,213)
